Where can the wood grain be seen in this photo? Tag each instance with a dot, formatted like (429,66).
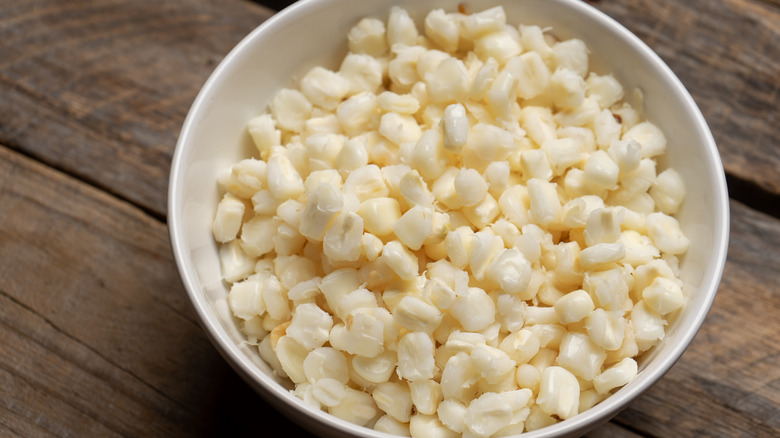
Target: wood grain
(727,54)
(99,338)
(612,430)
(100,89)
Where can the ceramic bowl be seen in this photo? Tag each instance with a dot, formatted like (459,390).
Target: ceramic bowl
(313,32)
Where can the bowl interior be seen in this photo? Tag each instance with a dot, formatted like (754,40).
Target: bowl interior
(313,32)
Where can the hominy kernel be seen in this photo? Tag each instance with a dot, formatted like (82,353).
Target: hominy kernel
(462,230)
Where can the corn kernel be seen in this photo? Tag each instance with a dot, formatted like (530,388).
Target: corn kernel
(400,260)
(600,171)
(651,139)
(532,74)
(458,378)
(379,215)
(571,54)
(608,289)
(415,356)
(399,128)
(343,239)
(356,114)
(539,123)
(395,399)
(400,28)
(246,298)
(377,369)
(326,362)
(534,39)
(368,36)
(606,329)
(427,156)
(402,69)
(487,414)
(264,133)
(605,89)
(429,426)
(388,424)
(581,356)
(663,295)
(257,235)
(485,247)
(574,307)
(545,205)
(398,103)
(284,182)
(442,29)
(324,203)
(470,187)
(291,355)
(291,109)
(668,191)
(606,128)
(323,176)
(474,310)
(328,392)
(450,82)
(353,155)
(567,88)
(559,392)
(363,335)
(324,88)
(617,375)
(366,183)
(511,271)
(666,234)
(528,376)
(444,189)
(601,254)
(648,326)
(486,21)
(483,80)
(455,127)
(362,73)
(415,314)
(227,221)
(426,396)
(488,143)
(500,46)
(356,407)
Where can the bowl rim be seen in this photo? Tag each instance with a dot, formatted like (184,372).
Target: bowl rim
(281,397)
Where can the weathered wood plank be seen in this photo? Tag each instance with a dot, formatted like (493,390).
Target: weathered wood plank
(727,384)
(100,89)
(98,335)
(112,327)
(88,84)
(727,53)
(612,430)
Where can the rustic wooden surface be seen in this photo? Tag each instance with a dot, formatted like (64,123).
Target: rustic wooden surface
(97,335)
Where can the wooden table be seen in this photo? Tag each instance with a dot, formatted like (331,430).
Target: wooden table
(97,335)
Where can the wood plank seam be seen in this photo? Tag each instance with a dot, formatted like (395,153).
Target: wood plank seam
(52,105)
(158,216)
(87,347)
(753,195)
(39,388)
(631,428)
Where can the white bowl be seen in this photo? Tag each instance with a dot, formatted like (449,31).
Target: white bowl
(313,32)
